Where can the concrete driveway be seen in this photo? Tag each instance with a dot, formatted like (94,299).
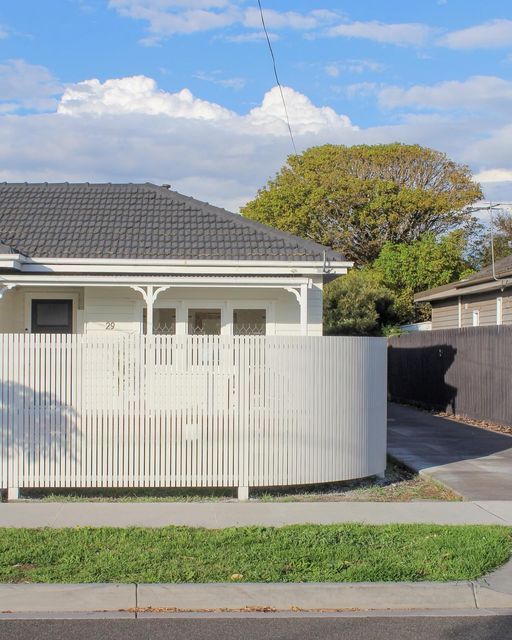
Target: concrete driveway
(474,462)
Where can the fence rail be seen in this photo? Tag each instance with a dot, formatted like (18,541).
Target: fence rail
(464,371)
(189,411)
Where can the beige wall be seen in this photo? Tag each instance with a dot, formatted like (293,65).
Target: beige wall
(445,313)
(121,307)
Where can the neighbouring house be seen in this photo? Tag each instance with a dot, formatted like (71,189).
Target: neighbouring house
(141,258)
(482,299)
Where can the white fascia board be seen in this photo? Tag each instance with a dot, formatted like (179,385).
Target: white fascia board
(124,281)
(65,265)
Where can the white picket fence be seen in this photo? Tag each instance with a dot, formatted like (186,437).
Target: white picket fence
(190,411)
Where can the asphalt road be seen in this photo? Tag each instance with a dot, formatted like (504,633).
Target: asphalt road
(321,628)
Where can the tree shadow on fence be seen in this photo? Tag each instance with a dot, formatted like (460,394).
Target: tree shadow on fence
(39,434)
(417,375)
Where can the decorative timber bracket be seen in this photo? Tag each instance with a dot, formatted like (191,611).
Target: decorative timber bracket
(150,293)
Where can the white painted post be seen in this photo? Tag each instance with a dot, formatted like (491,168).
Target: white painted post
(243,493)
(150,300)
(13,493)
(303,309)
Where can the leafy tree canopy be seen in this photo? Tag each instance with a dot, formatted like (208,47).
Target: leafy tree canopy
(355,199)
(406,269)
(502,230)
(358,304)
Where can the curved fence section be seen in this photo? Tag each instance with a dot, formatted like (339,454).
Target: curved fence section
(190,411)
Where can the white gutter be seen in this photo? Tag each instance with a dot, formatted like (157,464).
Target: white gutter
(180,281)
(278,267)
(171,263)
(11,261)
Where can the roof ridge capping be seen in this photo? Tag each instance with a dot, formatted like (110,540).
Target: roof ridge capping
(240,220)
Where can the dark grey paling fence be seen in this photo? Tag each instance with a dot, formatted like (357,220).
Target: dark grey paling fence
(464,371)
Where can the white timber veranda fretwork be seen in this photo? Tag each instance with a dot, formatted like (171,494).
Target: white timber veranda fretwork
(189,411)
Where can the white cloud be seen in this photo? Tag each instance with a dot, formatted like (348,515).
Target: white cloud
(335,69)
(168,17)
(287,19)
(406,33)
(476,93)
(361,89)
(494,175)
(27,86)
(216,77)
(139,94)
(127,129)
(489,35)
(136,94)
(250,36)
(305,117)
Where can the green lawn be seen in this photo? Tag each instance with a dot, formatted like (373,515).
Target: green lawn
(309,553)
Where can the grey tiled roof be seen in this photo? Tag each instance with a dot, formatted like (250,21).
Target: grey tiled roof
(134,221)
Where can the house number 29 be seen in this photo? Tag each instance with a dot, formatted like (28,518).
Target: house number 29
(110,326)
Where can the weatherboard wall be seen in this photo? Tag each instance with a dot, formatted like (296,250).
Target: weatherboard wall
(445,313)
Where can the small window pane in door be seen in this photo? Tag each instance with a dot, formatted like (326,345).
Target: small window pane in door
(476,318)
(164,321)
(204,322)
(249,322)
(52,316)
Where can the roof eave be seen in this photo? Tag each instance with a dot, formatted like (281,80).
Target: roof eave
(471,288)
(110,265)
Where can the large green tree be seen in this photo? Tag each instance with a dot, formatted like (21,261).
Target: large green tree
(355,199)
(406,269)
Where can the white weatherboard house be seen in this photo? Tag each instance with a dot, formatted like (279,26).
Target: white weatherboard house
(151,340)
(85,258)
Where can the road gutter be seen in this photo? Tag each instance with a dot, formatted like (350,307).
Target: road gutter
(249,598)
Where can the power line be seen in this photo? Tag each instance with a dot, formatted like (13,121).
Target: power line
(276,75)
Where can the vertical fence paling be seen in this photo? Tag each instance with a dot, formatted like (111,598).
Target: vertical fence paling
(135,411)
(464,371)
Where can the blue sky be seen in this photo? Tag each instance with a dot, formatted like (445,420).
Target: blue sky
(182,91)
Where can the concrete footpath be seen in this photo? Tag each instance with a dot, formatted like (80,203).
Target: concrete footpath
(136,600)
(215,515)
(474,462)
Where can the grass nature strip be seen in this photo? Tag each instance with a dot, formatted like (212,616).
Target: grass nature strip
(299,553)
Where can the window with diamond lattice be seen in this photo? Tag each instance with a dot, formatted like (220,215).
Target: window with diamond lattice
(204,322)
(164,321)
(249,322)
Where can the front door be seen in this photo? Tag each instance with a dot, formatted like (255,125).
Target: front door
(52,316)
